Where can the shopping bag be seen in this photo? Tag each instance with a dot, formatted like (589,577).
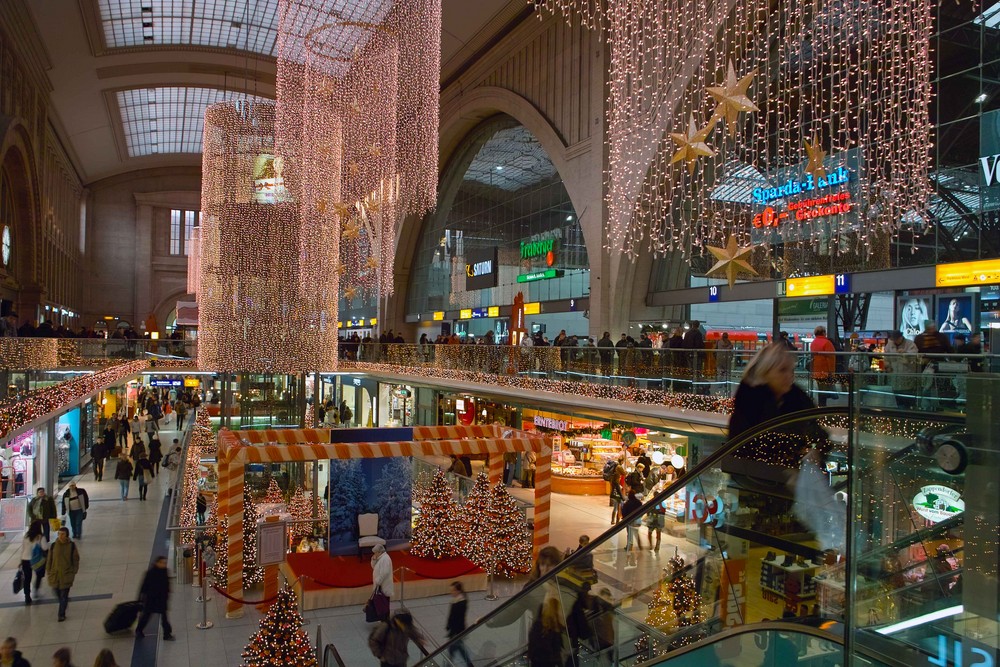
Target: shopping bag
(377,607)
(37,558)
(18,581)
(55,524)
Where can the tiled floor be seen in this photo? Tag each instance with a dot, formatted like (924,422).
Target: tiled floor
(119,541)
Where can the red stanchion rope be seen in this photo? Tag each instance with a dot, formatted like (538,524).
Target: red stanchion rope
(326,584)
(244,602)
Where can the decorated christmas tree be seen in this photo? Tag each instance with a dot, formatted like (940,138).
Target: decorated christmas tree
(661,609)
(252,572)
(437,531)
(273,494)
(496,535)
(280,640)
(686,603)
(301,508)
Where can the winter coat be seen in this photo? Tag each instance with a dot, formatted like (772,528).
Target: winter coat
(84,500)
(123,470)
(824,362)
(19,660)
(140,466)
(62,564)
(155,454)
(47,510)
(783,446)
(155,590)
(456,618)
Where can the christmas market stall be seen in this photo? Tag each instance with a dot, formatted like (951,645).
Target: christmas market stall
(314,573)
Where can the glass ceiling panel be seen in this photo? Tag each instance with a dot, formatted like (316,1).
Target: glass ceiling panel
(511,160)
(168,120)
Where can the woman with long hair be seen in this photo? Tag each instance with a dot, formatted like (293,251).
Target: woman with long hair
(32,558)
(105,659)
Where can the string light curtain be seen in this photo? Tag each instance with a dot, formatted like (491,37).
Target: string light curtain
(260,310)
(357,92)
(194,262)
(711,99)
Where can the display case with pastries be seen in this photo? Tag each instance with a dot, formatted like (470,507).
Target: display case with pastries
(572,477)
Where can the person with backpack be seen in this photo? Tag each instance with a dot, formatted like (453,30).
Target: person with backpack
(389,641)
(34,549)
(181,408)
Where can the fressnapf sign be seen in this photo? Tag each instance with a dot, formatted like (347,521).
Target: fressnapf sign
(481,270)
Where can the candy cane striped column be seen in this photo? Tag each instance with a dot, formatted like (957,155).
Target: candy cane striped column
(231,504)
(496,468)
(543,496)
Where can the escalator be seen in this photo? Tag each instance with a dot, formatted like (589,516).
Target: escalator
(741,567)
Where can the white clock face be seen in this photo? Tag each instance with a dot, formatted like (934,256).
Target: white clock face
(6,243)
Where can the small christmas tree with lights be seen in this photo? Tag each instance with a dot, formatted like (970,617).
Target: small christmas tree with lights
(496,535)
(661,616)
(273,494)
(475,521)
(252,572)
(686,603)
(280,640)
(437,531)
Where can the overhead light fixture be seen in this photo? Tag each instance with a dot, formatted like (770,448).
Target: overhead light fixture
(499,168)
(569,218)
(981,98)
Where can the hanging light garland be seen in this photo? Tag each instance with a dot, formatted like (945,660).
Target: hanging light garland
(263,308)
(358,100)
(709,101)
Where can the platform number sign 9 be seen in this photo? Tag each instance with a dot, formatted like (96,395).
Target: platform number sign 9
(842,283)
(713,293)
(966,654)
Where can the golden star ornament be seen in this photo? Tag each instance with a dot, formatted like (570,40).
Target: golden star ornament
(371,263)
(342,209)
(349,293)
(692,145)
(816,154)
(731,98)
(731,261)
(352,230)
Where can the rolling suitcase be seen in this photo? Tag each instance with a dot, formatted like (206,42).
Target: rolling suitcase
(122,617)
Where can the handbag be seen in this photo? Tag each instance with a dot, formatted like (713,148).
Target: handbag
(377,607)
(147,477)
(18,581)
(37,558)
(55,524)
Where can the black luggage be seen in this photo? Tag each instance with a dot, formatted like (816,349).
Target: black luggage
(122,617)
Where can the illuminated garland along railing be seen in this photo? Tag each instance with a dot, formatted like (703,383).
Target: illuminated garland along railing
(23,409)
(21,354)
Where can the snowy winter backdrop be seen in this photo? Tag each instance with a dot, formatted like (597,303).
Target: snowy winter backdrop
(358,486)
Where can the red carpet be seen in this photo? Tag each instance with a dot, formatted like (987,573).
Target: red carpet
(349,572)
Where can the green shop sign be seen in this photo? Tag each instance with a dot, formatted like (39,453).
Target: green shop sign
(532,249)
(539,275)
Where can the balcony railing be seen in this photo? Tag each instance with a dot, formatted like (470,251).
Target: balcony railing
(24,354)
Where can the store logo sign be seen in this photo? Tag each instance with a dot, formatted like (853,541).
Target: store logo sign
(937,503)
(532,249)
(991,171)
(481,269)
(796,186)
(549,422)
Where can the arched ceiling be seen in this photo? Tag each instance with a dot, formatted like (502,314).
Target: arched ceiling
(130,78)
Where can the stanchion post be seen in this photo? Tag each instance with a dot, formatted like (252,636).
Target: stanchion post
(202,577)
(490,595)
(205,623)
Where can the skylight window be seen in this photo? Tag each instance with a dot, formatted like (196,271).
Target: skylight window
(168,120)
(991,17)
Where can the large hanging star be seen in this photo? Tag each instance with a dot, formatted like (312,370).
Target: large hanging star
(341,269)
(342,209)
(349,293)
(816,155)
(352,230)
(692,145)
(730,261)
(321,206)
(732,98)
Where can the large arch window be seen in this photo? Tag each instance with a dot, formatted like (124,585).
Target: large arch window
(500,191)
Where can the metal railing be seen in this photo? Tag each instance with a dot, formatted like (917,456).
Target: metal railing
(24,354)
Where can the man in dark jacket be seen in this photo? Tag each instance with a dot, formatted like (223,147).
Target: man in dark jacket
(606,351)
(153,594)
(694,342)
(42,508)
(10,655)
(456,622)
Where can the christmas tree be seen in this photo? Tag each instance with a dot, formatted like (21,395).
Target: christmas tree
(661,609)
(686,603)
(301,508)
(437,533)
(274,494)
(252,572)
(496,536)
(280,640)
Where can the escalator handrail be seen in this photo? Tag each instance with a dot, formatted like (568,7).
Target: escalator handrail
(330,651)
(767,626)
(678,484)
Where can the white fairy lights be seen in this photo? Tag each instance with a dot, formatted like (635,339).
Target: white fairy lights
(262,308)
(851,78)
(358,95)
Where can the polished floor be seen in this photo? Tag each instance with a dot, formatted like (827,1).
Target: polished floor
(121,538)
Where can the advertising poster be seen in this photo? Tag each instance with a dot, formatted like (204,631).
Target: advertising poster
(68,442)
(912,312)
(956,313)
(481,270)
(359,486)
(989,159)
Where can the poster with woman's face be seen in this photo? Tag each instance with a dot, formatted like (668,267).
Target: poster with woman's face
(956,313)
(912,312)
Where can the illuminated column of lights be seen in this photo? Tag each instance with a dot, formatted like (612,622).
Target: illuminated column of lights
(256,314)
(194,261)
(700,89)
(358,84)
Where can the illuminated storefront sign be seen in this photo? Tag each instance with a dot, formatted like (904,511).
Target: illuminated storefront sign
(793,187)
(539,275)
(991,169)
(540,248)
(983,272)
(478,313)
(465,314)
(937,503)
(533,308)
(493,311)
(549,422)
(438,315)
(481,269)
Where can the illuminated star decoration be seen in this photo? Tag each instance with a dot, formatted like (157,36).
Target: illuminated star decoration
(342,209)
(371,263)
(732,98)
(692,145)
(354,168)
(349,293)
(816,155)
(730,261)
(352,229)
(321,206)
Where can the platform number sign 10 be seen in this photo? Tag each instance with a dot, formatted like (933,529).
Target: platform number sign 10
(965,655)
(713,293)
(842,283)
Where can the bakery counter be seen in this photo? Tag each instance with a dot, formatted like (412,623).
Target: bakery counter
(573,482)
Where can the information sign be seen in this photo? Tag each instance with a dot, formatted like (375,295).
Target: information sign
(983,272)
(713,294)
(271,542)
(13,513)
(842,283)
(809,286)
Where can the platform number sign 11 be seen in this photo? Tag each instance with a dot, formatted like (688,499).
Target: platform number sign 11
(713,293)
(842,283)
(965,654)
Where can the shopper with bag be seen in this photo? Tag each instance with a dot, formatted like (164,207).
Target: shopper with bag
(123,473)
(75,503)
(389,641)
(34,548)
(61,566)
(154,594)
(377,607)
(144,474)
